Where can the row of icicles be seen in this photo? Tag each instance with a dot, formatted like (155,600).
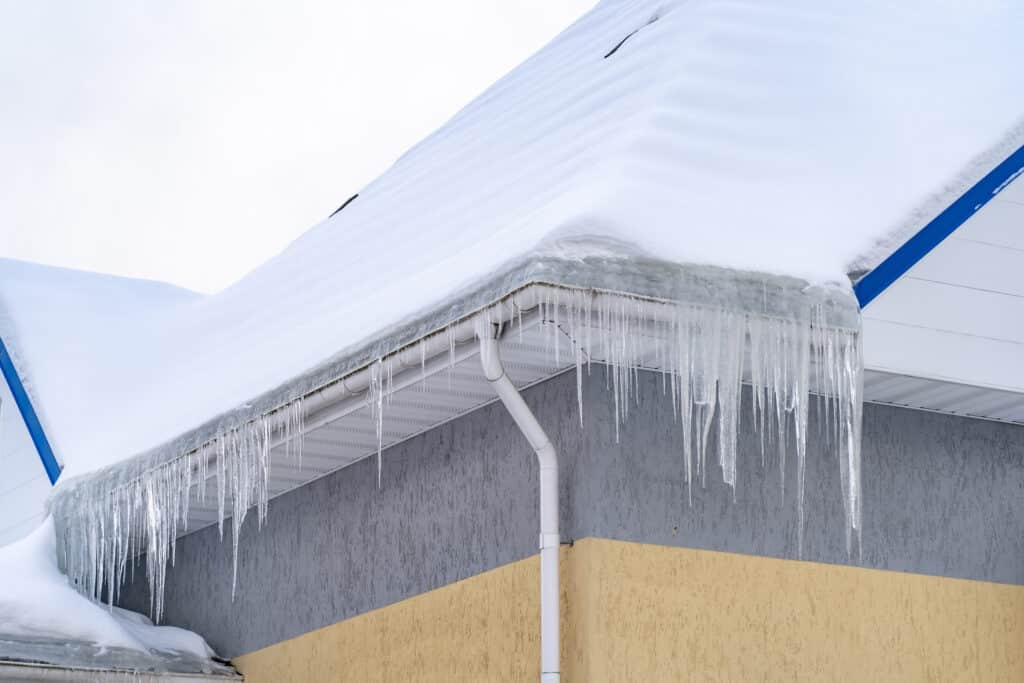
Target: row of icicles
(704,355)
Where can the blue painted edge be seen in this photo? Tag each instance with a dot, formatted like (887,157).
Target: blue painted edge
(28,414)
(929,237)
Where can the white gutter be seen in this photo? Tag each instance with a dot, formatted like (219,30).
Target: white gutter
(524,418)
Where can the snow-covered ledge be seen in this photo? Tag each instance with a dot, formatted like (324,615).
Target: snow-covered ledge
(50,632)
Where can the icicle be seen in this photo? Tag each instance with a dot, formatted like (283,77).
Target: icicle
(519,314)
(105,531)
(700,352)
(729,389)
(451,355)
(423,365)
(375,398)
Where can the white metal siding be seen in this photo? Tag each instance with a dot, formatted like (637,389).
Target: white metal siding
(957,316)
(23,482)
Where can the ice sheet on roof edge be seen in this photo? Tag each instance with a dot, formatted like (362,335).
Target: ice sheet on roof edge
(90,656)
(135,507)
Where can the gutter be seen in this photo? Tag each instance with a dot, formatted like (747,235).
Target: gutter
(547,458)
(29,416)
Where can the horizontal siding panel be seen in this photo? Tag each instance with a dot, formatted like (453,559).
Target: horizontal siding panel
(973,264)
(1015,191)
(999,223)
(922,352)
(18,460)
(23,483)
(19,530)
(939,306)
(22,507)
(23,498)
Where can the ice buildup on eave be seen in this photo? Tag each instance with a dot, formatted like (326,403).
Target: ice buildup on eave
(789,342)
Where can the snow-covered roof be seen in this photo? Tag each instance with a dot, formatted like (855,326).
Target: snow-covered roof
(74,337)
(648,145)
(793,138)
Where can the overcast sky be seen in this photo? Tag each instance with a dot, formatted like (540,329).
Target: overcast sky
(189,141)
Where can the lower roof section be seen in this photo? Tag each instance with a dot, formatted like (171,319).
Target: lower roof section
(24,673)
(47,659)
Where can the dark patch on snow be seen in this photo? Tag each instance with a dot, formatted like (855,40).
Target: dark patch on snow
(347,202)
(630,35)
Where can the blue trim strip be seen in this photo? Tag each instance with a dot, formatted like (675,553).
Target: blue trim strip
(929,237)
(28,414)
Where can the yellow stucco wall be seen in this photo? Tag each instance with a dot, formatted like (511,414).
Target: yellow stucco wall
(643,612)
(481,629)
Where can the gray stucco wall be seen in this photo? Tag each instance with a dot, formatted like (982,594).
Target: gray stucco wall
(942,495)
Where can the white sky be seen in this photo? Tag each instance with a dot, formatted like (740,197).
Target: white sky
(189,141)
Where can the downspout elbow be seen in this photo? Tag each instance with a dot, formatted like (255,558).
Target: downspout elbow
(547,457)
(490,359)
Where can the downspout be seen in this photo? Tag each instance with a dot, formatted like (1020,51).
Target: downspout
(547,457)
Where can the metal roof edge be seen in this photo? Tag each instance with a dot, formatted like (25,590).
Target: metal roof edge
(878,279)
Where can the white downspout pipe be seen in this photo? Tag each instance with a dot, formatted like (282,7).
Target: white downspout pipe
(548,459)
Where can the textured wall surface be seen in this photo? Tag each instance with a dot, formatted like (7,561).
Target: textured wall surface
(942,496)
(655,613)
(485,628)
(456,501)
(635,612)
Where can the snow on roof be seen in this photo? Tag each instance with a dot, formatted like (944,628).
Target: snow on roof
(793,138)
(64,330)
(43,619)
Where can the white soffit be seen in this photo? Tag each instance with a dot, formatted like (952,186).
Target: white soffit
(948,335)
(534,347)
(440,398)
